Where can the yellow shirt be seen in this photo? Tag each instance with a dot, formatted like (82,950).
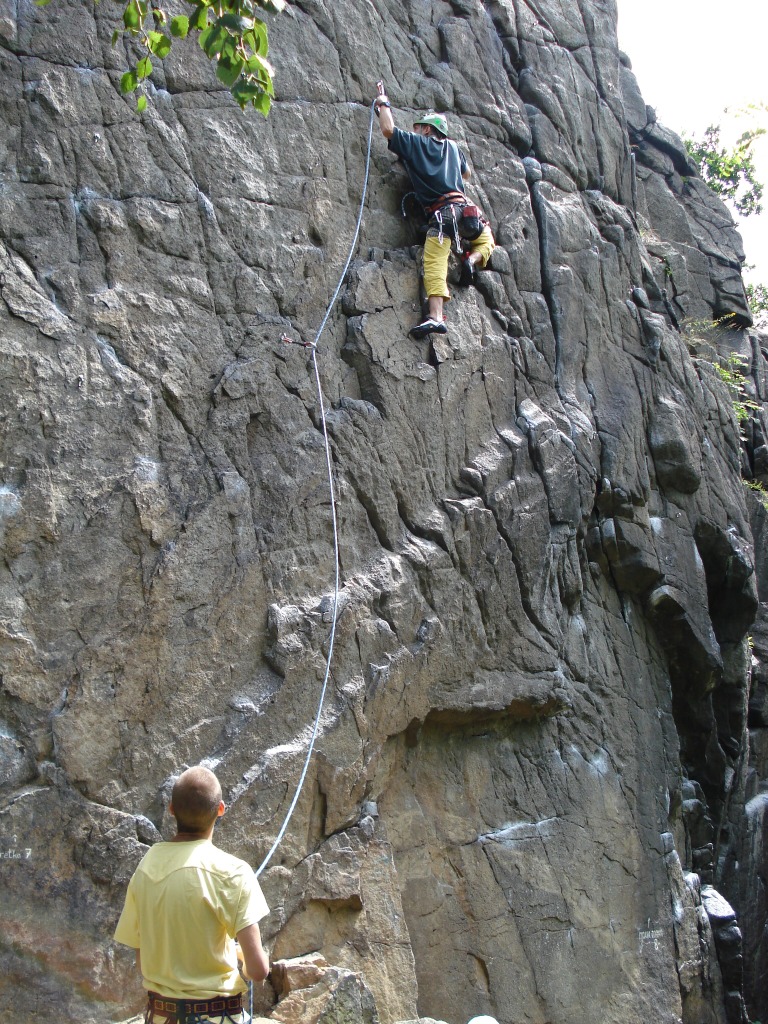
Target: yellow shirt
(185,904)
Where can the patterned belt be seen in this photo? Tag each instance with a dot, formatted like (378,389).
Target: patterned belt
(180,1009)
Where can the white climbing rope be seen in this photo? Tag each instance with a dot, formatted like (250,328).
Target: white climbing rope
(329,467)
(313,347)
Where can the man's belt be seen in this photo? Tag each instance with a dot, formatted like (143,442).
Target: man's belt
(448,199)
(180,1009)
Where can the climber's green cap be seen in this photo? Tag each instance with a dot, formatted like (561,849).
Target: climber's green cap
(437,121)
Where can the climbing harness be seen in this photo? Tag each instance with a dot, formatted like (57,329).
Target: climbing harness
(312,347)
(467,219)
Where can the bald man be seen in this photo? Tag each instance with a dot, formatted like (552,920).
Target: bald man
(186,904)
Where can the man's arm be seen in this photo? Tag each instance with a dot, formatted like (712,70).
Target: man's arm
(127,931)
(386,121)
(466,174)
(255,959)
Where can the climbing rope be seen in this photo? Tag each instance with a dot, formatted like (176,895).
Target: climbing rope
(313,348)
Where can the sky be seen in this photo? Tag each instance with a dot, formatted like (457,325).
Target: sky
(695,58)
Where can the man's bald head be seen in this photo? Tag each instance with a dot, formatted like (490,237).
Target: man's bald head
(196,799)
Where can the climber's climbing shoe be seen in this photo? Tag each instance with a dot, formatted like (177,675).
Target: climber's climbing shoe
(429,326)
(467,273)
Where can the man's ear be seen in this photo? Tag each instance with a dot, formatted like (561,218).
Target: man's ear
(221,809)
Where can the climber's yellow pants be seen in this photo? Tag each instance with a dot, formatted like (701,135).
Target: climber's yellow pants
(436,253)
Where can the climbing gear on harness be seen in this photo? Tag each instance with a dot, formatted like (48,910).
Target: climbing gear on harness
(470,222)
(467,217)
(438,121)
(408,201)
(163,1010)
(437,217)
(429,326)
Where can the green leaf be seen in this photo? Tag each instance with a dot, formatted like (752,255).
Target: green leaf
(229,72)
(115,36)
(235,23)
(141,104)
(275,6)
(180,26)
(204,38)
(42,3)
(144,68)
(199,20)
(229,51)
(159,44)
(257,38)
(247,88)
(213,39)
(128,82)
(261,68)
(263,103)
(132,17)
(245,91)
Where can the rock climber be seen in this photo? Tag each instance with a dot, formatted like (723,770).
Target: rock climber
(438,169)
(186,904)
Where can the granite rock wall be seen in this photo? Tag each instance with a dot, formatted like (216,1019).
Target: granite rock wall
(539,784)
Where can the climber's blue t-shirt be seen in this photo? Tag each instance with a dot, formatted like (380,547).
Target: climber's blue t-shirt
(435,166)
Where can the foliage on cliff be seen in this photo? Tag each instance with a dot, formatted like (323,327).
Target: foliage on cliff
(230,32)
(730,172)
(757,296)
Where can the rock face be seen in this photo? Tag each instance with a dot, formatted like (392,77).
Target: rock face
(539,787)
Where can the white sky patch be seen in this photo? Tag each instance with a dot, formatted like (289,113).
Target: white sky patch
(695,58)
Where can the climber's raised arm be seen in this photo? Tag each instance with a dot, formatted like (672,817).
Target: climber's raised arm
(384,113)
